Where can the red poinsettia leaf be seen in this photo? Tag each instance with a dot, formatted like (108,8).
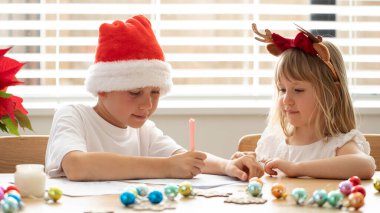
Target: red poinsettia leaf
(18,104)
(8,69)
(7,108)
(3,51)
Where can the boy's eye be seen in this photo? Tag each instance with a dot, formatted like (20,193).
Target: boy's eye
(156,92)
(134,92)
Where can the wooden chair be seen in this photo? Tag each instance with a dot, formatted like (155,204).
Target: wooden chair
(248,143)
(21,150)
(374,142)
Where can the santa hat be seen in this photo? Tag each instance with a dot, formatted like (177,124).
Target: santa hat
(128,56)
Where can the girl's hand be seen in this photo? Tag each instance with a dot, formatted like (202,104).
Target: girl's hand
(185,165)
(237,155)
(244,168)
(287,167)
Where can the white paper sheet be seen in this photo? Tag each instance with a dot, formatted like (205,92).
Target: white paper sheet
(70,188)
(201,181)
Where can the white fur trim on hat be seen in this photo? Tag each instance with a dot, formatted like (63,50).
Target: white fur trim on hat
(127,75)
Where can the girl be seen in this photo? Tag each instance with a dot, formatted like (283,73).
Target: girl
(114,139)
(312,129)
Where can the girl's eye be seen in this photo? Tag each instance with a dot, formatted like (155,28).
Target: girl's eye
(299,90)
(281,90)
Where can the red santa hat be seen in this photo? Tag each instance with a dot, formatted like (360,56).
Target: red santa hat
(128,56)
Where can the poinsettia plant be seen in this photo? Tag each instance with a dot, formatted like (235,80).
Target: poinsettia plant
(12,113)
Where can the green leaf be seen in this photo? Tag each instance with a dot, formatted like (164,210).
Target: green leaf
(4,94)
(3,127)
(12,128)
(23,120)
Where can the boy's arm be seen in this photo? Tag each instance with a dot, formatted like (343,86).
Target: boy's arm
(86,166)
(244,167)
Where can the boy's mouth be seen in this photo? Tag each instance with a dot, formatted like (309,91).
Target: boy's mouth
(140,116)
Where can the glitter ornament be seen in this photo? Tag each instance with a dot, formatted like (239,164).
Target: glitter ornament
(356,200)
(127,198)
(335,198)
(55,194)
(279,191)
(155,197)
(142,190)
(355,180)
(376,184)
(171,191)
(345,187)
(254,188)
(358,188)
(299,195)
(258,180)
(185,189)
(319,197)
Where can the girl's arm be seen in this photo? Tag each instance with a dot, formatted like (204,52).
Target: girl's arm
(87,166)
(350,161)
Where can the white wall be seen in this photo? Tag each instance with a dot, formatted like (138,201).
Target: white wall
(215,133)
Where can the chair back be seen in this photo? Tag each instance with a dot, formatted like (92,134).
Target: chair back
(28,149)
(374,143)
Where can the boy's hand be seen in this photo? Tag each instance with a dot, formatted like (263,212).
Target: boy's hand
(185,165)
(244,168)
(287,167)
(241,154)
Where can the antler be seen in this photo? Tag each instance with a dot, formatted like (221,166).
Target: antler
(267,37)
(320,48)
(310,35)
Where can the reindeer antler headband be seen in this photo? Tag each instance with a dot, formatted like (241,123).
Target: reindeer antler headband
(304,40)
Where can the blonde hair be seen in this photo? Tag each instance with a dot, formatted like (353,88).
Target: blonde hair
(335,113)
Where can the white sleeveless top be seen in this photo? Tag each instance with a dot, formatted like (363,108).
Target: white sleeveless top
(272,144)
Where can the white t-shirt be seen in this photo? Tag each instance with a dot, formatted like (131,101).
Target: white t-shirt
(80,128)
(272,144)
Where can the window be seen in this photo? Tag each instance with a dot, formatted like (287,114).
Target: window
(208,42)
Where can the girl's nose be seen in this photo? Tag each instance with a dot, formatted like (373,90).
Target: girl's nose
(287,99)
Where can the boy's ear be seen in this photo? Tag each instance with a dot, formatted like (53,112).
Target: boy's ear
(102,94)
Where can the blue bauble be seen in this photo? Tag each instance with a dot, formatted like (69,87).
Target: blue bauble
(155,197)
(254,188)
(127,198)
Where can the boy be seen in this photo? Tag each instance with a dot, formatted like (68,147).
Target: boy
(114,139)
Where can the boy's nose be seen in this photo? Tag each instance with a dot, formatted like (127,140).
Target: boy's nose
(146,103)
